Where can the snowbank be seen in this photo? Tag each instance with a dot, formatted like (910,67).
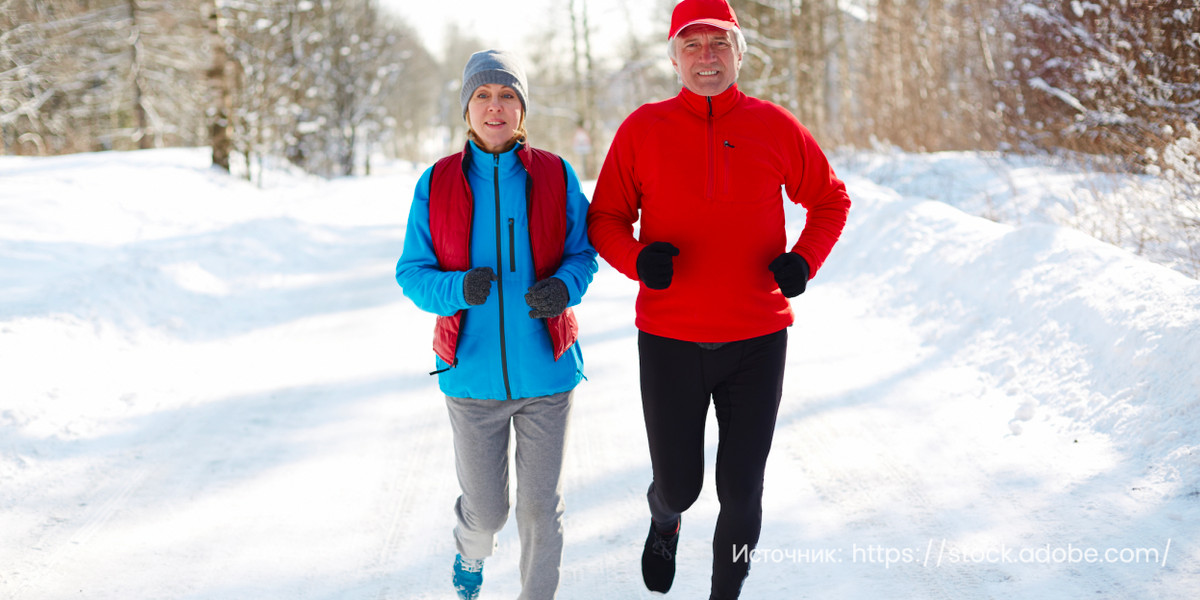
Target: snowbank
(1072,329)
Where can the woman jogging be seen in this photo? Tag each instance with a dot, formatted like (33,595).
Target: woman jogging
(497,247)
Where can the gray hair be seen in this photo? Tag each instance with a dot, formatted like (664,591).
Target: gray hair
(739,41)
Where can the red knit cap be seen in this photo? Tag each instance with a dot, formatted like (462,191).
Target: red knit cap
(717,13)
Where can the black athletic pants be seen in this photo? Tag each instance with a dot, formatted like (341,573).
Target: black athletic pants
(744,380)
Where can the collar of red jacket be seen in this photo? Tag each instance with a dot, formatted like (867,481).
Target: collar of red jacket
(721,103)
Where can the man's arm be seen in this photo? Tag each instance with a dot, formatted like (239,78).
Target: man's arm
(615,206)
(812,183)
(579,257)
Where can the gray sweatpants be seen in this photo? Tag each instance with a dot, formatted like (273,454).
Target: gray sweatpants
(481,434)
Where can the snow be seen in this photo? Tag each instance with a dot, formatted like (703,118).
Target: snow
(213,390)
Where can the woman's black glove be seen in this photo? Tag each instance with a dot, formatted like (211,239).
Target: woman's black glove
(656,266)
(478,284)
(548,298)
(791,273)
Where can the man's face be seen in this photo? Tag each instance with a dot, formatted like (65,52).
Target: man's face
(707,59)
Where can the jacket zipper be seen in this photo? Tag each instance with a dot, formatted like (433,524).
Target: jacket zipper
(727,158)
(512,245)
(500,277)
(712,142)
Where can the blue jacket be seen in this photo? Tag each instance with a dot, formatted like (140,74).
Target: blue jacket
(531,368)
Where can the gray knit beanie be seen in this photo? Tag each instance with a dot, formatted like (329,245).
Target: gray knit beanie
(493,66)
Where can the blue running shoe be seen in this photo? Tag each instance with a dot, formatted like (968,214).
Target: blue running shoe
(468,577)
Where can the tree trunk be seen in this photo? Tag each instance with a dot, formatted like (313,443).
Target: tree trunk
(219,111)
(142,135)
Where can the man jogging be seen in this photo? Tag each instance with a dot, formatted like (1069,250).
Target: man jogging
(703,172)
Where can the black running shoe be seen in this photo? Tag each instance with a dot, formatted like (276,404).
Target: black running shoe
(658,560)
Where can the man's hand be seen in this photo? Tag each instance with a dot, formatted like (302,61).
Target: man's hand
(791,273)
(548,298)
(656,266)
(478,284)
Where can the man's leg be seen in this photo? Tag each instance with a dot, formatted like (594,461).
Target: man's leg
(675,405)
(747,404)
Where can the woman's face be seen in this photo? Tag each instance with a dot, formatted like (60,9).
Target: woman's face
(494,113)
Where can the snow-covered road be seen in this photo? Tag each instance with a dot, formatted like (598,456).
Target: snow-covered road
(219,392)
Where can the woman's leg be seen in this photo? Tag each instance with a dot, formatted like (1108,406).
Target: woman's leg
(481,432)
(540,425)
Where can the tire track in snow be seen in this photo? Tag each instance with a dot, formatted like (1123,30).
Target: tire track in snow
(605,498)
(63,537)
(112,483)
(417,549)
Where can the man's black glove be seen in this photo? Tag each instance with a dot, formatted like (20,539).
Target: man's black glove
(478,284)
(548,298)
(656,266)
(791,273)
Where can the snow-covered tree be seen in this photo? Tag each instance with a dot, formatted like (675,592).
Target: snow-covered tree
(1104,76)
(96,74)
(320,81)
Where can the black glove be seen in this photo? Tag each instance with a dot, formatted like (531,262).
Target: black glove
(655,265)
(791,273)
(548,298)
(478,284)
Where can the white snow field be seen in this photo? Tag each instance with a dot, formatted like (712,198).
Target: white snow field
(210,390)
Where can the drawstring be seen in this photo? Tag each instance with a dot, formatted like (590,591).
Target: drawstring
(447,368)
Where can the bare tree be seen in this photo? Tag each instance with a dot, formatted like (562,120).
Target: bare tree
(585,81)
(220,94)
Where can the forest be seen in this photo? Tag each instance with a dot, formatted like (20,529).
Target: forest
(325,85)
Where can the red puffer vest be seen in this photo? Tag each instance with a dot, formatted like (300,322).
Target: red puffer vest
(451,209)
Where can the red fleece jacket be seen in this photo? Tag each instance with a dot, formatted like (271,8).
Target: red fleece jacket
(706,175)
